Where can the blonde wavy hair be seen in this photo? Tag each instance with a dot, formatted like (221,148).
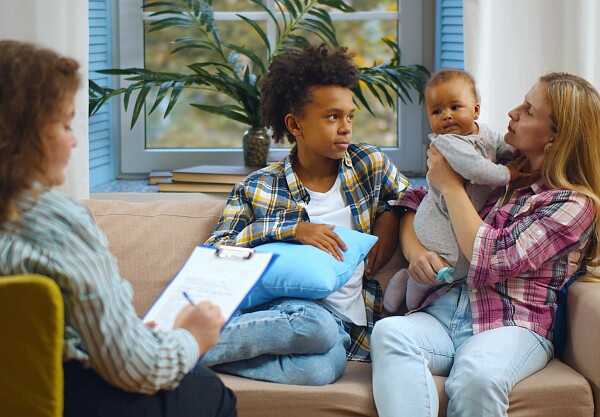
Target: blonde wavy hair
(573,162)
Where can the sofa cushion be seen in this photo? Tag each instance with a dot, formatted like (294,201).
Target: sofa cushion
(153,240)
(304,271)
(556,390)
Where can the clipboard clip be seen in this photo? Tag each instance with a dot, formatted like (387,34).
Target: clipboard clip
(224,251)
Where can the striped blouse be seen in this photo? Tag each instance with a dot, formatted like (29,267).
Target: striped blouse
(57,237)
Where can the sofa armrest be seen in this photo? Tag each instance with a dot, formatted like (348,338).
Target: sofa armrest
(582,351)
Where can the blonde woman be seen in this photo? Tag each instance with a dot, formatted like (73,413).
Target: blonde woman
(495,328)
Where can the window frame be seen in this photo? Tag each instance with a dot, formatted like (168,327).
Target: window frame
(136,160)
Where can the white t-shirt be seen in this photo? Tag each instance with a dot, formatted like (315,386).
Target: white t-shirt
(331,207)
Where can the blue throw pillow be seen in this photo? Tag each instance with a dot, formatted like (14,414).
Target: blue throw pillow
(303,271)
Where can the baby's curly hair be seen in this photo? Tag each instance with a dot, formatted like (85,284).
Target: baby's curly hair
(450,74)
(285,88)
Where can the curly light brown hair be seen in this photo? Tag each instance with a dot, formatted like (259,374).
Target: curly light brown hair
(286,87)
(34,83)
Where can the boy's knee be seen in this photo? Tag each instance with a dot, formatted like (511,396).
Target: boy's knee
(318,373)
(314,328)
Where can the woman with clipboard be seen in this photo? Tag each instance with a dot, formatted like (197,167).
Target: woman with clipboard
(114,365)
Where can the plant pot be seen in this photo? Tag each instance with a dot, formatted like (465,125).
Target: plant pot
(256,144)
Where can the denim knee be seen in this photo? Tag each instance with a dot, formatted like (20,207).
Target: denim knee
(318,369)
(388,333)
(472,388)
(314,327)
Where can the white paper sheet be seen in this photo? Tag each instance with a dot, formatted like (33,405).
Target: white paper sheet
(223,280)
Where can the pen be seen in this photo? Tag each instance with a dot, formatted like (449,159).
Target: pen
(187,297)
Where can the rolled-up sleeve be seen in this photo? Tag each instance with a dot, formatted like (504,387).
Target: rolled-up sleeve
(544,231)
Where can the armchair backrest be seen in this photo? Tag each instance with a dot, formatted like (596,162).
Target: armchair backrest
(31,366)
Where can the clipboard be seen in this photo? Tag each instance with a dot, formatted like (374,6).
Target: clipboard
(223,275)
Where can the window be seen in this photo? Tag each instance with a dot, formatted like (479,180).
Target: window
(190,137)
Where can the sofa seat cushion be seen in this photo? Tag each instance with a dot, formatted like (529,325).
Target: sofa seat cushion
(556,390)
(351,395)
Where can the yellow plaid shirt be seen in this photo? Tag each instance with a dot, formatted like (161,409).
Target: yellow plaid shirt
(269,203)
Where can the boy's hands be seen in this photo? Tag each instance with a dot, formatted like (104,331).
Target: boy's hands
(515,168)
(321,236)
(386,229)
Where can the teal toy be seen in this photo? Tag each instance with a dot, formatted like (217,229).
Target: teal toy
(445,274)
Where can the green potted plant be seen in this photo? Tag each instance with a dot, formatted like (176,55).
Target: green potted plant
(236,71)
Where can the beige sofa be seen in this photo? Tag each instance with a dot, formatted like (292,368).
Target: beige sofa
(152,240)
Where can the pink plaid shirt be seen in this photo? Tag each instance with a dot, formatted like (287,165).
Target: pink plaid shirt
(522,255)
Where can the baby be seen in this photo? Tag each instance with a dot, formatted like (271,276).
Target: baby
(472,150)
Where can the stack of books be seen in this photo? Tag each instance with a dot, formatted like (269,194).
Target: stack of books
(155,176)
(200,179)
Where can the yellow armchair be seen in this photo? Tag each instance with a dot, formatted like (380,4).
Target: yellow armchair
(31,368)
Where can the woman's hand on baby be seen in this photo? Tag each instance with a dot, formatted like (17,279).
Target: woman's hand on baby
(321,236)
(440,174)
(204,321)
(515,168)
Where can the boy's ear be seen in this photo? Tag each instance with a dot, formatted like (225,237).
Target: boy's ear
(291,122)
(476,111)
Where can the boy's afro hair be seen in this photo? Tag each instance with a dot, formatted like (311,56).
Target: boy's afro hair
(286,87)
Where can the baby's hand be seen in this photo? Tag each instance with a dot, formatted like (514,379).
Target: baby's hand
(515,167)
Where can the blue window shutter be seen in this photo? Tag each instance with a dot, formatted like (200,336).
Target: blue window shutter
(449,38)
(101,126)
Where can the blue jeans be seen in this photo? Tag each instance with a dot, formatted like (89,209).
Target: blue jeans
(290,341)
(482,369)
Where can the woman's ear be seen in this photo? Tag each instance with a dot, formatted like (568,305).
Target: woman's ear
(291,123)
(549,145)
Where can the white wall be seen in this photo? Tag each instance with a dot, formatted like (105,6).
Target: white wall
(510,43)
(63,26)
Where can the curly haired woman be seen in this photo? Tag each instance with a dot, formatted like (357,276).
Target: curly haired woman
(114,365)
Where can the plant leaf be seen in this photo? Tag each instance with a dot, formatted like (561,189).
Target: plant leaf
(290,8)
(251,55)
(239,117)
(160,95)
(336,4)
(175,93)
(140,102)
(271,15)
(258,30)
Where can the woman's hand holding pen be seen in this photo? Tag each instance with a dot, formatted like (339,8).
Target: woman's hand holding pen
(204,321)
